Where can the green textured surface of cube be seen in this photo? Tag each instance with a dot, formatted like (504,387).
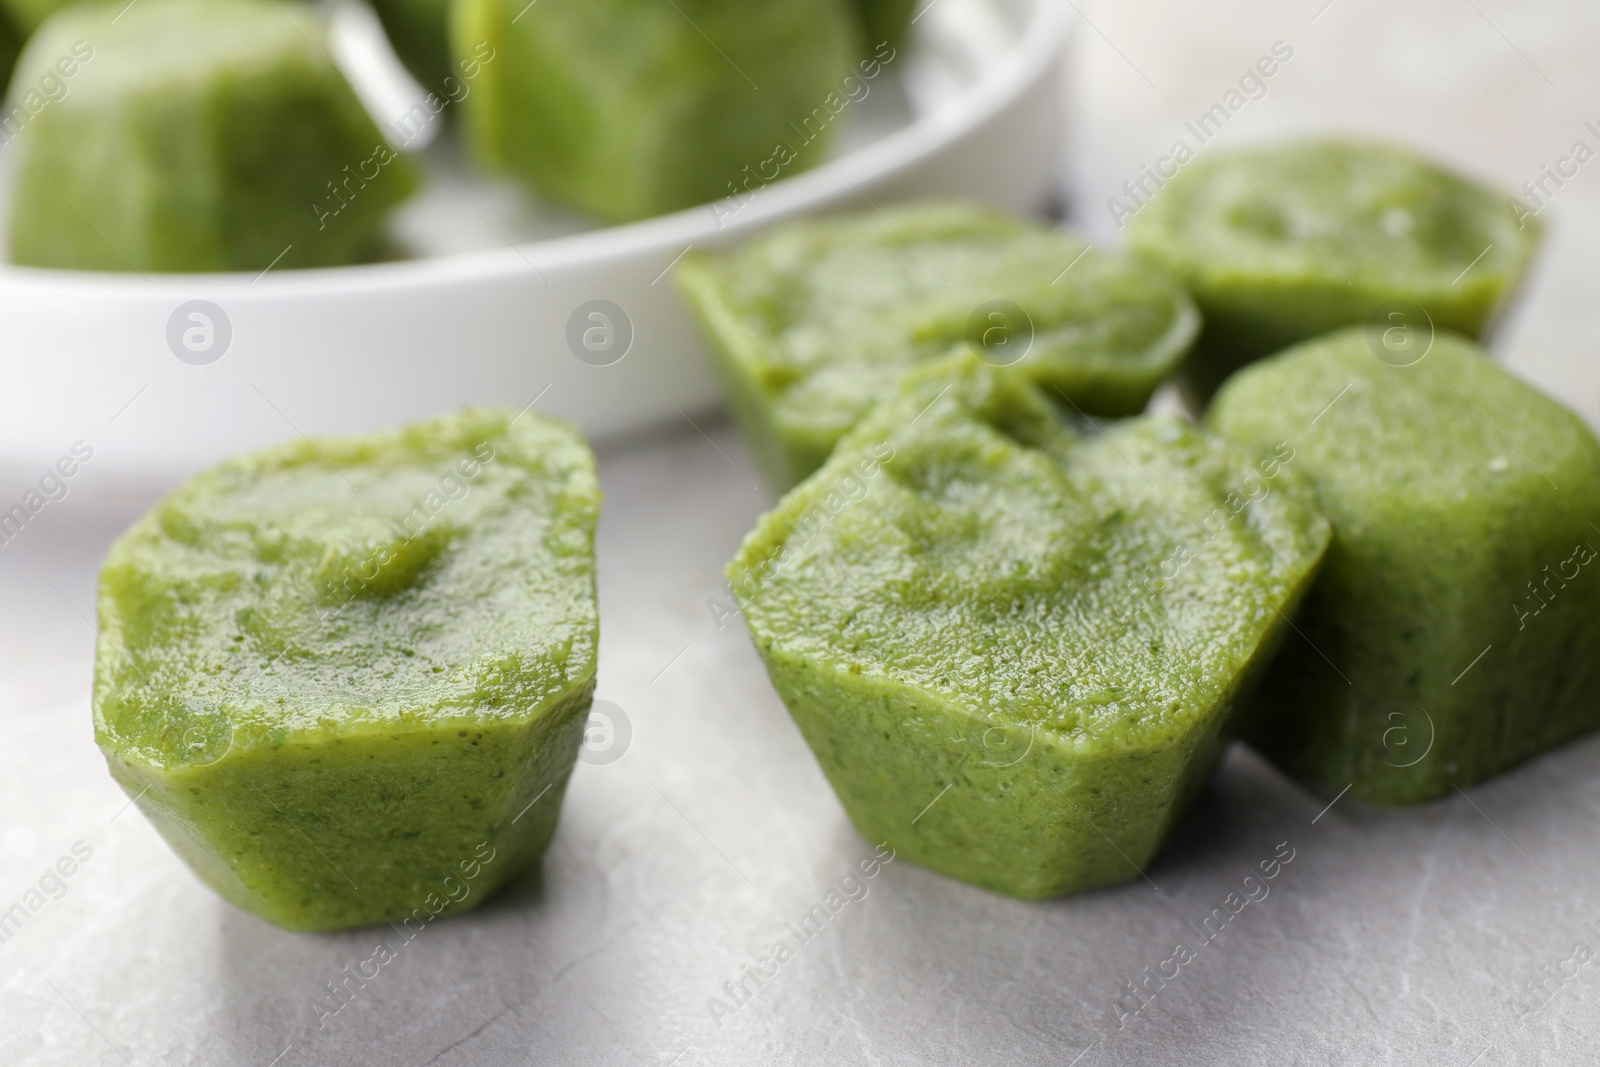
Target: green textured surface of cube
(1452,631)
(1282,243)
(630,108)
(347,678)
(196,135)
(813,323)
(1015,649)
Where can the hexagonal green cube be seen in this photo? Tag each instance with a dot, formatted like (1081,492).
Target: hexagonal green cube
(1451,632)
(1279,244)
(196,135)
(1016,650)
(347,678)
(813,323)
(631,108)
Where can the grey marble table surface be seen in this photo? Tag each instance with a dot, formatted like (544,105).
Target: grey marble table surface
(1416,937)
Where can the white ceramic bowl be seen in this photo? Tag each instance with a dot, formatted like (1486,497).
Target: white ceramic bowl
(976,110)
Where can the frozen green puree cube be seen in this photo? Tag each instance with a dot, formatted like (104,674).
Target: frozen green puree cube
(1284,243)
(813,323)
(419,31)
(1453,629)
(630,108)
(198,135)
(1014,649)
(29,15)
(347,679)
(10,46)
(885,21)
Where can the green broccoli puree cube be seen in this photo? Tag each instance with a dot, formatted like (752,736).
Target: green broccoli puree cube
(10,47)
(815,322)
(885,21)
(29,15)
(1451,633)
(631,108)
(347,678)
(419,31)
(1284,243)
(1015,649)
(202,135)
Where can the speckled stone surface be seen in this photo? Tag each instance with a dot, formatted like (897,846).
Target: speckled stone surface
(1395,938)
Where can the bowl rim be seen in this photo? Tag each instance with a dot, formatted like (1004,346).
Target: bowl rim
(1038,44)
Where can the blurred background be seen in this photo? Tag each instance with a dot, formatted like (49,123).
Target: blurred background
(1499,90)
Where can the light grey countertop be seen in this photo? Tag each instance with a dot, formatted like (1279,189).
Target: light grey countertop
(1389,938)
